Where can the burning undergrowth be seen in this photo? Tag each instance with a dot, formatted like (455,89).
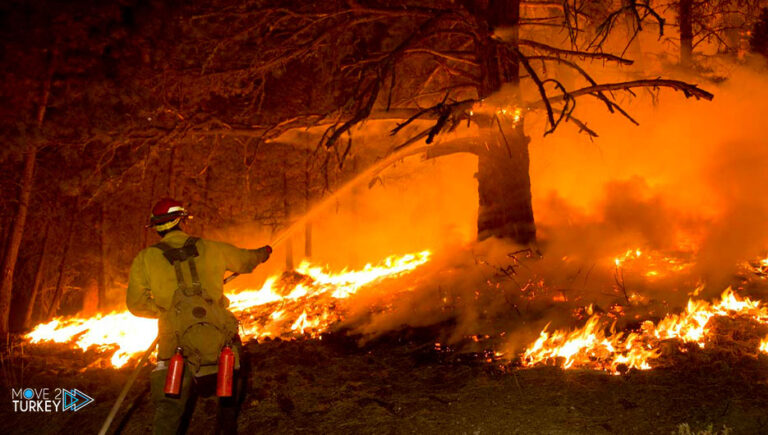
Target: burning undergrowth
(304,302)
(615,293)
(489,304)
(633,262)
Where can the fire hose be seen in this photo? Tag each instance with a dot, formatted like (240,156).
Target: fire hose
(131,380)
(135,374)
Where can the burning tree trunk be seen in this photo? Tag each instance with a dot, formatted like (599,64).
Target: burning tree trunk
(504,188)
(685,17)
(504,185)
(12,254)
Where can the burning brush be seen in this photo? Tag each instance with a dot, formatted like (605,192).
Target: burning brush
(308,301)
(297,303)
(598,346)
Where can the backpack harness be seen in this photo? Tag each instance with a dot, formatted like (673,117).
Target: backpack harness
(187,253)
(202,327)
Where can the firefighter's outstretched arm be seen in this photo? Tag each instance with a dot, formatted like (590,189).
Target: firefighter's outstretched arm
(139,296)
(243,260)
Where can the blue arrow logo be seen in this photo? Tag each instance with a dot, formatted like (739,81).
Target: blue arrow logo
(74,400)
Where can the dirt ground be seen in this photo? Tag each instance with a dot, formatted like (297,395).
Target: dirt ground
(401,384)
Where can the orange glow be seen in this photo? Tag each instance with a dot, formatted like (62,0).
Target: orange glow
(292,308)
(651,264)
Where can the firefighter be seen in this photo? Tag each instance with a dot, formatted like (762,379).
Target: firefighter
(179,282)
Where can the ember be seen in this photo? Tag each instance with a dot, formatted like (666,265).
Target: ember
(653,264)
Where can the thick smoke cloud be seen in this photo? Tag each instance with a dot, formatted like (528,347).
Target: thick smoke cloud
(688,184)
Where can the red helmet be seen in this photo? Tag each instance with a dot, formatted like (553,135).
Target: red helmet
(166,214)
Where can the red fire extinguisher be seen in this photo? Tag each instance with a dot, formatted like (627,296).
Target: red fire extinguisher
(226,371)
(175,372)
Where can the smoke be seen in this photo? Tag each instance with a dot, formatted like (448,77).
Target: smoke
(686,187)
(412,206)
(738,178)
(688,184)
(691,172)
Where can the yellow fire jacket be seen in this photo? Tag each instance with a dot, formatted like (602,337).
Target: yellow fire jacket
(153,282)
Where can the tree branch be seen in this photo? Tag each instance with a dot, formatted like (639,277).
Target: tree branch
(687,89)
(576,53)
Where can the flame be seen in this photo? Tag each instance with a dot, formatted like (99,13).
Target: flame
(758,267)
(303,304)
(651,264)
(515,113)
(309,306)
(592,347)
(309,300)
(120,331)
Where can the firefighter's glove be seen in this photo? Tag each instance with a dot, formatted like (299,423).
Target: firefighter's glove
(264,252)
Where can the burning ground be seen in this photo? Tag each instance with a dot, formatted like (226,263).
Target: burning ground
(400,384)
(326,354)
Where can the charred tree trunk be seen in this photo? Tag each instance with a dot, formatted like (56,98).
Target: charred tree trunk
(206,182)
(27,180)
(4,234)
(287,211)
(308,240)
(289,253)
(685,16)
(12,253)
(172,172)
(308,224)
(102,292)
(54,306)
(504,186)
(151,202)
(90,298)
(39,273)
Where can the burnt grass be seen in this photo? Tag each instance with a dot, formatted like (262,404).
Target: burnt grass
(400,383)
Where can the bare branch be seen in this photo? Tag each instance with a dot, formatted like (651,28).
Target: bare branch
(576,53)
(687,89)
(441,55)
(540,85)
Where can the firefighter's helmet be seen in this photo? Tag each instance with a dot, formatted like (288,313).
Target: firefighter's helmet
(166,214)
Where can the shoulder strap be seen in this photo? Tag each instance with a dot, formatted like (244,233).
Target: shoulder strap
(170,254)
(163,247)
(176,256)
(189,245)
(191,241)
